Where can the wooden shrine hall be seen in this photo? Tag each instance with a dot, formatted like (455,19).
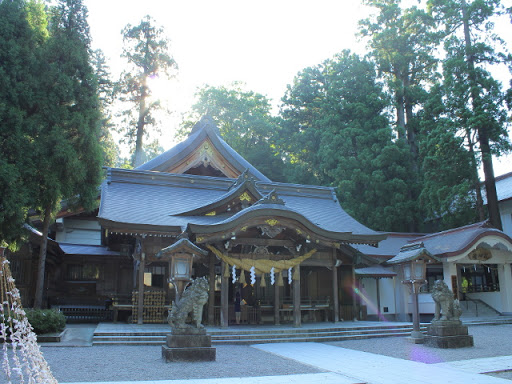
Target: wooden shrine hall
(286,248)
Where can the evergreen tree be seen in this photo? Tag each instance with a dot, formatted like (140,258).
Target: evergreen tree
(147,51)
(105,92)
(246,124)
(66,128)
(336,126)
(448,191)
(475,98)
(23,30)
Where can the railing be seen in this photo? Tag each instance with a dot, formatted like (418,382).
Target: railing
(467,299)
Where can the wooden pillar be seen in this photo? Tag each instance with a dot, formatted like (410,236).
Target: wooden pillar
(335,299)
(211,293)
(354,293)
(224,305)
(276,299)
(378,298)
(140,304)
(296,297)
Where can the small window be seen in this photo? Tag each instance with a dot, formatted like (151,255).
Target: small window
(78,272)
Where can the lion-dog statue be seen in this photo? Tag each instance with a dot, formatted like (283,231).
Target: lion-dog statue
(447,308)
(192,301)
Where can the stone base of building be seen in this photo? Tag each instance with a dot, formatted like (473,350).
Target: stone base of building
(188,344)
(448,334)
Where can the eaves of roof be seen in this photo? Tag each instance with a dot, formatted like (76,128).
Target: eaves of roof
(120,227)
(276,211)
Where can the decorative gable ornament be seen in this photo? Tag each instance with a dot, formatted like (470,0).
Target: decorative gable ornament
(271,198)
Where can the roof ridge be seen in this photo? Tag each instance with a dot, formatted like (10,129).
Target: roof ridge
(480,224)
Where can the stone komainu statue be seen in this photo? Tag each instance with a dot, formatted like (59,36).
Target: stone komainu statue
(192,301)
(447,308)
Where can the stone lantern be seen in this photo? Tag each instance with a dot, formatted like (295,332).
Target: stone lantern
(180,256)
(412,260)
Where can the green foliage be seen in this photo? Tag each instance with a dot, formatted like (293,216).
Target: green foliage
(448,178)
(147,51)
(475,100)
(106,96)
(245,122)
(23,32)
(46,320)
(335,125)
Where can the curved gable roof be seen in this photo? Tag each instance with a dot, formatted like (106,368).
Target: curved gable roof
(204,139)
(243,184)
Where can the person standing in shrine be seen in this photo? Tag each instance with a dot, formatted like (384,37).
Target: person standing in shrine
(238,309)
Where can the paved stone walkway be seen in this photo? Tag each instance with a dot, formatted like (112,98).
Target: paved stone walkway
(364,367)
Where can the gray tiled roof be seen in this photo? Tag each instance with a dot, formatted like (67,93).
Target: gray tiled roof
(375,271)
(504,186)
(151,198)
(389,247)
(440,244)
(80,249)
(203,129)
(457,240)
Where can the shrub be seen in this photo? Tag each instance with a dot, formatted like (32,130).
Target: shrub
(46,320)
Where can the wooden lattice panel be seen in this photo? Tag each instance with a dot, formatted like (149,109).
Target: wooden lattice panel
(153,309)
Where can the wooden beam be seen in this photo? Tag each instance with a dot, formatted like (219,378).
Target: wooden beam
(263,242)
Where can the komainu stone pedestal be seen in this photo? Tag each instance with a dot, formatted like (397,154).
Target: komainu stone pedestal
(448,334)
(188,344)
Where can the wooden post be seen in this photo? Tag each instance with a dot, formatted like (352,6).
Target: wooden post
(224,305)
(378,298)
(140,304)
(354,294)
(276,300)
(335,299)
(211,293)
(296,297)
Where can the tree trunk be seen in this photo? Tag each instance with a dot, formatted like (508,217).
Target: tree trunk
(483,138)
(475,180)
(400,114)
(143,111)
(38,301)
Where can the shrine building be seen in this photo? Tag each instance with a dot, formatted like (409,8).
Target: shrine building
(290,250)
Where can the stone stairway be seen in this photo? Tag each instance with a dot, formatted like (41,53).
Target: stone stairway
(239,335)
(476,308)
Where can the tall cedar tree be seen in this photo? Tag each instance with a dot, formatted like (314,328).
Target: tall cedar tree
(106,98)
(402,42)
(245,122)
(147,51)
(23,30)
(335,121)
(447,195)
(473,94)
(66,130)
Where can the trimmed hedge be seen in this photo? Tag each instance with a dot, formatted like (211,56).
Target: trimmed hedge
(46,320)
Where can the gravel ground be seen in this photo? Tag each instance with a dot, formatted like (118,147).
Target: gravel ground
(115,363)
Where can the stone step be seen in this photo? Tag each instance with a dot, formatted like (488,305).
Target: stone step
(257,340)
(279,335)
(260,336)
